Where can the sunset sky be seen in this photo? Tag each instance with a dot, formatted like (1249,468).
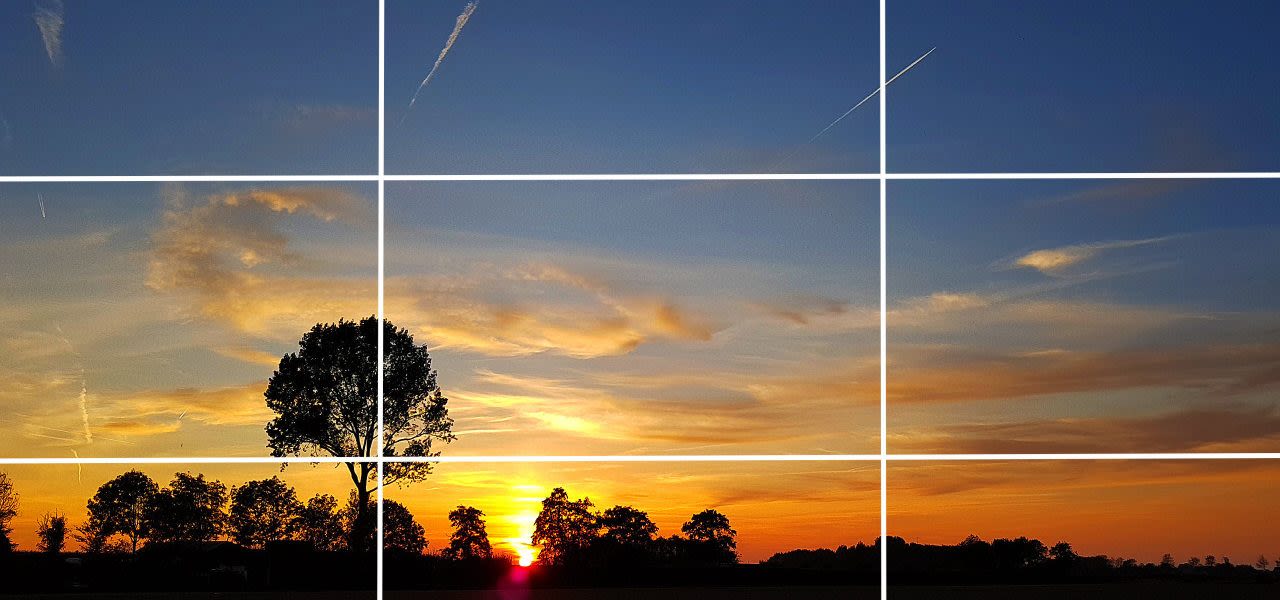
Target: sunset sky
(622,318)
(1126,316)
(143,87)
(145,320)
(558,86)
(1133,509)
(774,507)
(699,317)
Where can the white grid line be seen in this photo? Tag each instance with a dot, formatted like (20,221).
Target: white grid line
(645,458)
(382,246)
(884,323)
(643,177)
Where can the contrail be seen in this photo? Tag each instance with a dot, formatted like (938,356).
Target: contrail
(84,389)
(41,197)
(79,467)
(872,94)
(453,37)
(48,18)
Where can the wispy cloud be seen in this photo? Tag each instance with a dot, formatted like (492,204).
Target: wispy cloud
(1056,261)
(48,16)
(536,306)
(1228,427)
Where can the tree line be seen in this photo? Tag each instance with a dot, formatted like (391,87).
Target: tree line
(1030,560)
(131,511)
(570,532)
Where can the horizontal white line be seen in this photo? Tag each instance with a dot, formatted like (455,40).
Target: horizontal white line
(1091,456)
(165,460)
(642,458)
(177,178)
(649,458)
(642,177)
(1144,175)
(639,177)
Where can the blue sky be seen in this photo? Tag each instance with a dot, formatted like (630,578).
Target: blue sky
(156,87)
(561,87)
(1083,86)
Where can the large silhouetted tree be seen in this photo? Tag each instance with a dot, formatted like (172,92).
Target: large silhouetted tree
(8,510)
(263,511)
(563,527)
(325,397)
(469,540)
(119,507)
(188,510)
(711,534)
(320,523)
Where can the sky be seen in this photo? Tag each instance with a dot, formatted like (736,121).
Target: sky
(145,319)
(1132,509)
(1082,86)
(154,87)
(572,87)
(633,318)
(1121,316)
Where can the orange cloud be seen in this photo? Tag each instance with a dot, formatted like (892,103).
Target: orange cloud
(227,255)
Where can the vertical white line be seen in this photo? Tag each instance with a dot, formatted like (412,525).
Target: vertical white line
(884,333)
(382,222)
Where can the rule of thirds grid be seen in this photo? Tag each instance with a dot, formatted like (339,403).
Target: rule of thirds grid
(882,177)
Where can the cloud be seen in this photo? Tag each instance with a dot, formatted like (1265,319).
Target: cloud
(250,355)
(228,255)
(1227,428)
(699,409)
(48,16)
(535,307)
(827,313)
(1055,261)
(949,374)
(157,411)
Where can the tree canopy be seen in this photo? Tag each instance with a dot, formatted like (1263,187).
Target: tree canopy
(119,507)
(188,510)
(8,510)
(563,527)
(263,511)
(469,539)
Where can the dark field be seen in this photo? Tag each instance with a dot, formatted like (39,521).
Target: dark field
(1138,590)
(341,595)
(688,593)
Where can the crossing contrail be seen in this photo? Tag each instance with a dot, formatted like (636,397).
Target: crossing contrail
(453,37)
(871,95)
